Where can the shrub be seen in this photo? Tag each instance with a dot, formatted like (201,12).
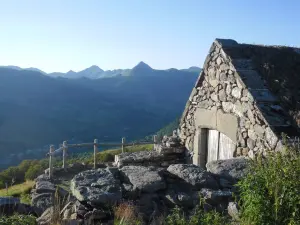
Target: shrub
(18,220)
(198,217)
(107,158)
(270,194)
(33,172)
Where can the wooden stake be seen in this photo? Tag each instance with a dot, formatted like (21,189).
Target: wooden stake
(154,141)
(95,152)
(65,148)
(50,161)
(123,142)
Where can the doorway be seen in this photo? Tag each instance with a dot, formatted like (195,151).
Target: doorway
(219,146)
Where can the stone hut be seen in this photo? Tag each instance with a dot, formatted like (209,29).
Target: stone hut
(244,99)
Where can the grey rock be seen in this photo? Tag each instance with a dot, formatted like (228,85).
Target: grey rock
(251,116)
(259,130)
(233,211)
(271,138)
(228,89)
(231,78)
(145,179)
(251,154)
(215,196)
(214,97)
(47,217)
(193,175)
(171,150)
(96,186)
(43,186)
(222,95)
(219,60)
(203,104)
(213,82)
(227,106)
(42,201)
(188,200)
(133,158)
(225,183)
(230,169)
(252,134)
(250,143)
(244,99)
(236,92)
(223,77)
(238,109)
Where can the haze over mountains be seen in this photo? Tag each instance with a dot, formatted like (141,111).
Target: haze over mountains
(38,109)
(95,72)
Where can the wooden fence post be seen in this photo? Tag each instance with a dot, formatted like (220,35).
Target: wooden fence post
(123,142)
(154,141)
(65,148)
(95,152)
(50,161)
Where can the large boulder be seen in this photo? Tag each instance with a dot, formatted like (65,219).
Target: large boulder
(231,169)
(42,195)
(96,187)
(194,175)
(42,201)
(144,179)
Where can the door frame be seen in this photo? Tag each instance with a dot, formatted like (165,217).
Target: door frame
(211,119)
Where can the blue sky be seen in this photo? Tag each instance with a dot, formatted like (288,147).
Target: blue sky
(59,35)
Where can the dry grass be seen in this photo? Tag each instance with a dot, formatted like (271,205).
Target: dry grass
(125,214)
(18,189)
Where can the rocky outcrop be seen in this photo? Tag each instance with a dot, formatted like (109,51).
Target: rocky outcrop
(43,193)
(194,175)
(231,169)
(150,188)
(143,179)
(96,187)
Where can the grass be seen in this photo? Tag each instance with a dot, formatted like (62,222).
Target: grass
(109,155)
(19,190)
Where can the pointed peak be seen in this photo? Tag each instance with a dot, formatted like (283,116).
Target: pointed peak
(142,65)
(71,71)
(94,69)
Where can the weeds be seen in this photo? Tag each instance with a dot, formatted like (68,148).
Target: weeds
(270,194)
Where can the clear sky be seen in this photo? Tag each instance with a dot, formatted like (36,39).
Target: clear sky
(59,35)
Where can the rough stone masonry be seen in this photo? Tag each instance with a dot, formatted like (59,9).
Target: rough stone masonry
(221,95)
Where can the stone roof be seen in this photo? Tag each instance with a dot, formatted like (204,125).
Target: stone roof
(272,76)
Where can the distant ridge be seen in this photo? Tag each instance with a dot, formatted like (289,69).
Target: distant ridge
(95,72)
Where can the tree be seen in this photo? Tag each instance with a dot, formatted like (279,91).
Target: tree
(33,172)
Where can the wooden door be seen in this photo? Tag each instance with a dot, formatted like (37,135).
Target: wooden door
(226,147)
(212,145)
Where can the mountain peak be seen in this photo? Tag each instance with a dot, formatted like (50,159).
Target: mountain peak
(142,65)
(95,68)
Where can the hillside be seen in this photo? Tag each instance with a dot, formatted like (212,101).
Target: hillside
(38,110)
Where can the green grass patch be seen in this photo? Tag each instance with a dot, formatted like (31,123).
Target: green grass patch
(18,189)
(18,220)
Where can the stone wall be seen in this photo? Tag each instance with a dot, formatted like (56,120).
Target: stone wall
(168,152)
(220,89)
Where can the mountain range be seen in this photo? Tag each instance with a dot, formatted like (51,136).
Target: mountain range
(95,72)
(38,109)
